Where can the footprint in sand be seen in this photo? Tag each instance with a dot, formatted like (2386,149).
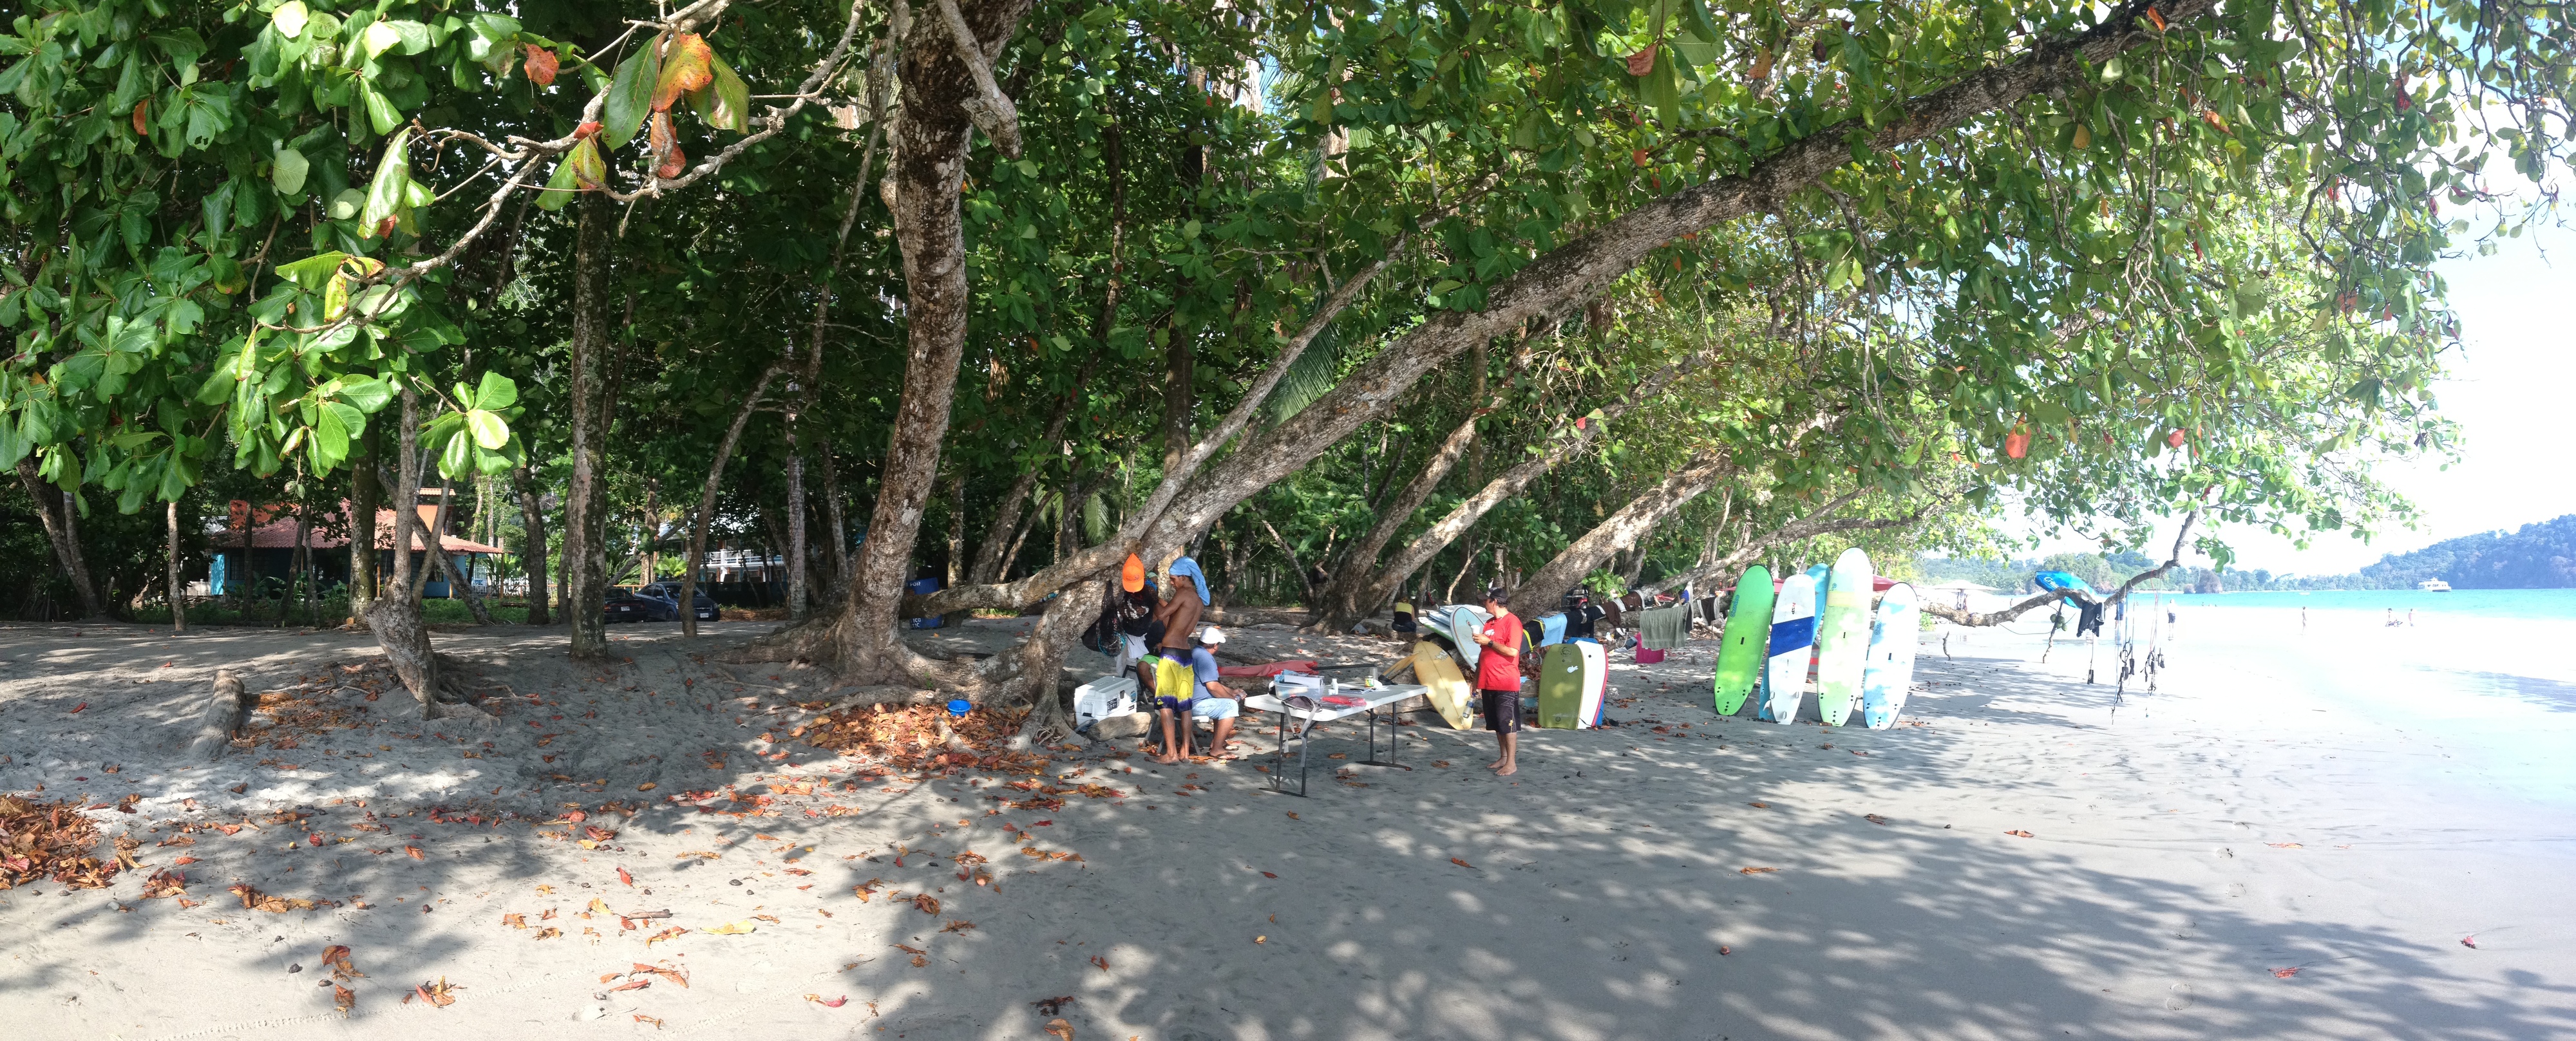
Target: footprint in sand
(2180,999)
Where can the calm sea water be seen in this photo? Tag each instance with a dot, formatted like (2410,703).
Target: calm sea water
(2538,604)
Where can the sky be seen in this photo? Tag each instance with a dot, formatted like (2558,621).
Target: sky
(2509,390)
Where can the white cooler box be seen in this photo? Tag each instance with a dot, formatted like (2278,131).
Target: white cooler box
(1288,683)
(1106,696)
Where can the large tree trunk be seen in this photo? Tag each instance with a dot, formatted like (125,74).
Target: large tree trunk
(706,511)
(929,160)
(178,592)
(584,554)
(1618,532)
(61,528)
(533,552)
(395,616)
(365,497)
(832,510)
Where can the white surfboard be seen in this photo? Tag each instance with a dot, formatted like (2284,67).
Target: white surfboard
(1842,636)
(1793,634)
(1465,621)
(1596,681)
(1890,671)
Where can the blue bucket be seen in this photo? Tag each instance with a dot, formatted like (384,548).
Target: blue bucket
(958,707)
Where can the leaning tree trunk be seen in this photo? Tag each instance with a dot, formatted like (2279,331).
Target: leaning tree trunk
(533,551)
(584,555)
(706,511)
(436,547)
(178,592)
(941,76)
(56,509)
(365,496)
(1619,531)
(395,616)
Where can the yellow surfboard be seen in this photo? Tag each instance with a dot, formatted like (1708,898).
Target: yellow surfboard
(1433,668)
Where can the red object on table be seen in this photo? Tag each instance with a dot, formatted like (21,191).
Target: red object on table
(1270,669)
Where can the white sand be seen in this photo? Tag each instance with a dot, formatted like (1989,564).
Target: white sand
(2239,822)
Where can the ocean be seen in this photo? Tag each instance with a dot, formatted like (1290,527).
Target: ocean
(2546,604)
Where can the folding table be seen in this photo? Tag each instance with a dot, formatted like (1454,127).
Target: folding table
(1371,701)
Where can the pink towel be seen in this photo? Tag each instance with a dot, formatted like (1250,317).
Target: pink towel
(1345,700)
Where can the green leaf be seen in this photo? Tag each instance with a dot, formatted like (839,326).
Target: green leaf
(685,70)
(331,435)
(286,172)
(630,96)
(367,394)
(289,18)
(386,194)
(381,113)
(489,429)
(457,456)
(313,272)
(379,38)
(726,103)
(559,188)
(496,392)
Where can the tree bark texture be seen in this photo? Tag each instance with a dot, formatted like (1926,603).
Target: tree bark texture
(57,511)
(366,496)
(706,511)
(533,553)
(584,556)
(929,159)
(1617,532)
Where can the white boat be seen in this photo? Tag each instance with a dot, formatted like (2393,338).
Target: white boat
(2433,585)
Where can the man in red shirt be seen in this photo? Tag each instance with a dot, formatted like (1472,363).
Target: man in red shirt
(1498,677)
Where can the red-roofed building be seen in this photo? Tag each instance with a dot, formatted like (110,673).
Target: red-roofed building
(274,530)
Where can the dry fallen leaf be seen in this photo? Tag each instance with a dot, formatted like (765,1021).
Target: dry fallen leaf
(1755,870)
(1103,963)
(733,928)
(642,1018)
(1261,939)
(1462,863)
(1062,1030)
(1269,874)
(548,933)
(834,1003)
(919,960)
(515,921)
(344,999)
(1723,949)
(1292,815)
(664,971)
(2023,834)
(623,876)
(2288,972)
(663,935)
(2284,845)
(415,853)
(1874,819)
(927,903)
(2470,942)
(632,985)
(958,926)
(1759,805)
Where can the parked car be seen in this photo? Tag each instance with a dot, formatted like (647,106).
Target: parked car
(633,605)
(703,606)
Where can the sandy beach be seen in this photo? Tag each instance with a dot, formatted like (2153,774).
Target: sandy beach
(2251,851)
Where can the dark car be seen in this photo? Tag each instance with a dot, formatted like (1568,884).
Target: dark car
(645,605)
(703,606)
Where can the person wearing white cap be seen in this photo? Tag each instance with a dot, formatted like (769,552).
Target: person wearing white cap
(1209,700)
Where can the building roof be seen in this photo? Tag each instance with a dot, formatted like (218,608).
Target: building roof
(277,530)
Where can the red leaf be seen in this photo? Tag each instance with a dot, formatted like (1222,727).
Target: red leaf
(2023,834)
(1267,874)
(415,852)
(2288,972)
(2469,942)
(141,109)
(623,876)
(1642,62)
(314,839)
(541,66)
(835,1002)
(579,132)
(687,66)
(666,148)
(2157,17)
(1462,863)
(77,708)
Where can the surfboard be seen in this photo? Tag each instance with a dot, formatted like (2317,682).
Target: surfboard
(1450,692)
(1596,680)
(1793,633)
(1465,621)
(1884,681)
(1842,637)
(1561,686)
(1748,636)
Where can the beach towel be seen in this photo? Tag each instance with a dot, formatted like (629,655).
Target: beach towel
(1187,567)
(1664,628)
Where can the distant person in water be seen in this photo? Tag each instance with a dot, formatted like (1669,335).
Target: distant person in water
(2410,617)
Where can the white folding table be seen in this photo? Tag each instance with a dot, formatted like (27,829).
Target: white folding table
(1371,702)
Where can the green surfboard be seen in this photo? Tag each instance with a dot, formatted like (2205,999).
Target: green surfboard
(1842,636)
(1748,634)
(1560,687)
